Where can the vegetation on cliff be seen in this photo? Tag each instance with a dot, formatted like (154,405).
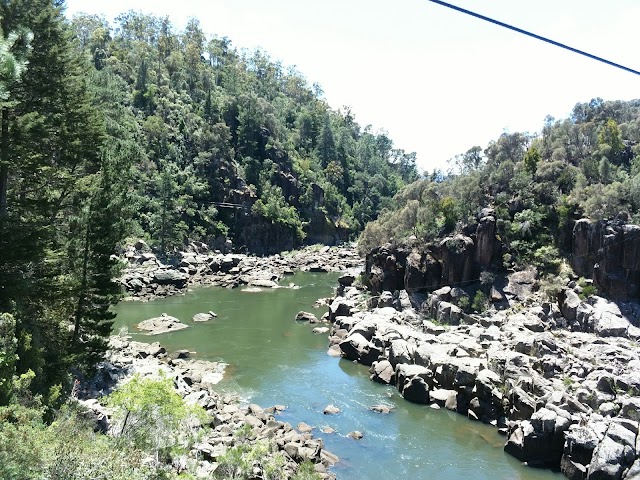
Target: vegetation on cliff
(583,166)
(213,125)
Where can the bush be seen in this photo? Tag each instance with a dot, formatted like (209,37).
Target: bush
(480,302)
(151,416)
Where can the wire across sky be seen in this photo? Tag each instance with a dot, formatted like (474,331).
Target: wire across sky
(533,35)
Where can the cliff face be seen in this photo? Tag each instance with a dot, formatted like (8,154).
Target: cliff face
(453,260)
(608,252)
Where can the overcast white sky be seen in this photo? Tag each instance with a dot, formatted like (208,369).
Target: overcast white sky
(438,81)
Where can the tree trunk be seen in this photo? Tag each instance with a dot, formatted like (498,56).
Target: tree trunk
(4,163)
(83,286)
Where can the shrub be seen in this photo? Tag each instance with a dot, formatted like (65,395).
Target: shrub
(480,302)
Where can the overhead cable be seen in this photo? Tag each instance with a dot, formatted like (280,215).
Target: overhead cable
(533,35)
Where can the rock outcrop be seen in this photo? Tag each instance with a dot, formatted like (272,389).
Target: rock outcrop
(454,259)
(608,252)
(559,381)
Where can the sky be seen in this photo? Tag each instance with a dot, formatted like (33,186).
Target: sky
(438,81)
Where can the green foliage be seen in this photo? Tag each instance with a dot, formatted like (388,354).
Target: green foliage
(273,206)
(531,160)
(151,416)
(480,302)
(306,472)
(239,461)
(587,289)
(68,448)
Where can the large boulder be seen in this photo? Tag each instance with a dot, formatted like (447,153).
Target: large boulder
(568,301)
(162,324)
(583,248)
(401,351)
(457,255)
(416,390)
(170,277)
(382,372)
(485,240)
(580,442)
(610,458)
(354,346)
(340,307)
(540,441)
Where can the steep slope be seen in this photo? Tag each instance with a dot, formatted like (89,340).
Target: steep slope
(232,144)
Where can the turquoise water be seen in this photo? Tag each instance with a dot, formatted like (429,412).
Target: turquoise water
(273,360)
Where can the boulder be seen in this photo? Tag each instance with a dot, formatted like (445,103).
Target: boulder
(202,317)
(381,408)
(568,301)
(540,441)
(416,390)
(340,307)
(170,277)
(609,460)
(522,405)
(162,324)
(354,346)
(382,372)
(346,280)
(401,351)
(306,317)
(580,442)
(331,410)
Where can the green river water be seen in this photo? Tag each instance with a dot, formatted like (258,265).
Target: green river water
(272,360)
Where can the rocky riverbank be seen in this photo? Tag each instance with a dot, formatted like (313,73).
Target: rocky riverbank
(231,422)
(146,277)
(560,380)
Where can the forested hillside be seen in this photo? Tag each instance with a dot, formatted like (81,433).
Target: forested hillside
(213,126)
(583,166)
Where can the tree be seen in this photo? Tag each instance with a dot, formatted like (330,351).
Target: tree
(326,144)
(50,141)
(150,415)
(14,49)
(531,159)
(610,141)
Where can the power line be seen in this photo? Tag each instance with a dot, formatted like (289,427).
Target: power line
(533,35)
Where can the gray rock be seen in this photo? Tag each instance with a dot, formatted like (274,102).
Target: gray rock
(401,352)
(383,372)
(354,346)
(416,390)
(331,410)
(202,317)
(346,280)
(306,317)
(609,460)
(170,277)
(568,301)
(381,408)
(162,324)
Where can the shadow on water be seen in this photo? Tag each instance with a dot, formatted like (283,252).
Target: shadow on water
(274,360)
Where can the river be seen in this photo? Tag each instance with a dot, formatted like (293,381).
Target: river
(273,360)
